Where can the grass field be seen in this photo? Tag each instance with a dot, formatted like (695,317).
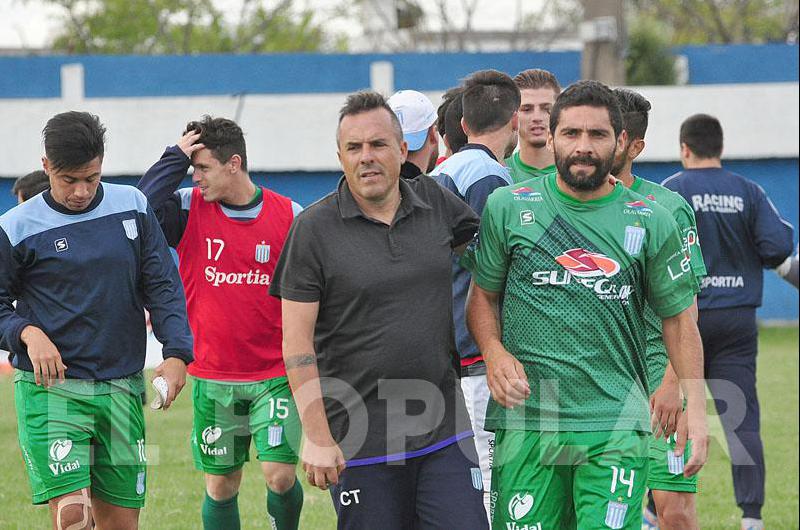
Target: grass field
(175,489)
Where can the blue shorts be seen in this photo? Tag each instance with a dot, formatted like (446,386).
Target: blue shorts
(442,489)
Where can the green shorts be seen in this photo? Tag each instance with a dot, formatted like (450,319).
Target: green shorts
(666,469)
(228,415)
(74,440)
(568,480)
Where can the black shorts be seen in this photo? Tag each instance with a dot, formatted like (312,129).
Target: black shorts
(442,489)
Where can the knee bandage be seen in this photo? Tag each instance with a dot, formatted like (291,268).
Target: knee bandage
(81,499)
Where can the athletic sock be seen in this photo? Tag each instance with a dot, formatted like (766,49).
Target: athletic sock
(749,523)
(221,515)
(283,509)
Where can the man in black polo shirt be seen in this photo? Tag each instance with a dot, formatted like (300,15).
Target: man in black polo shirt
(367,322)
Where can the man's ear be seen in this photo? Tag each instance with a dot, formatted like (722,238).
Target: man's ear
(636,148)
(686,153)
(465,128)
(622,140)
(433,135)
(235,163)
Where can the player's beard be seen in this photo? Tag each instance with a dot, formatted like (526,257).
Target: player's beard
(619,162)
(581,181)
(432,162)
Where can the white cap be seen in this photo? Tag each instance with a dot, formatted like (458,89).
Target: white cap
(416,114)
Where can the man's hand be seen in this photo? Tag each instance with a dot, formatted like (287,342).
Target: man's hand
(173,370)
(666,407)
(506,378)
(322,463)
(44,356)
(692,427)
(188,143)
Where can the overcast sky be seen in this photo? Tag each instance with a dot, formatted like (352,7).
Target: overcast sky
(29,23)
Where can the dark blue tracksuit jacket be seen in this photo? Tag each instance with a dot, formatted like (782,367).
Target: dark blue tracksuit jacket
(740,231)
(85,279)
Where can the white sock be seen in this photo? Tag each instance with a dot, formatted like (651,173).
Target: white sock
(748,523)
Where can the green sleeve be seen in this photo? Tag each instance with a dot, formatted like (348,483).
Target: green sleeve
(684,215)
(487,256)
(671,284)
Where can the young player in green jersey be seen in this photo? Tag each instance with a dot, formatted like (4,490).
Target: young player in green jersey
(674,494)
(539,89)
(576,261)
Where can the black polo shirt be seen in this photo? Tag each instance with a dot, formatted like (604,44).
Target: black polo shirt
(384,335)
(409,170)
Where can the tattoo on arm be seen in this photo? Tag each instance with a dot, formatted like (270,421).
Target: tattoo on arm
(300,361)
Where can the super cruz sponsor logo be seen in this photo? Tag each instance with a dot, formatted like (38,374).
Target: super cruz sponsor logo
(586,264)
(590,269)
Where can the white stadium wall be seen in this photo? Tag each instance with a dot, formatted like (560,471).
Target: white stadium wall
(296,132)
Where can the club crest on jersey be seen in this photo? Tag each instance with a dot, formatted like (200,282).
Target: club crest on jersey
(638,207)
(585,264)
(130,228)
(477,478)
(262,252)
(634,239)
(275,435)
(615,514)
(526,194)
(140,483)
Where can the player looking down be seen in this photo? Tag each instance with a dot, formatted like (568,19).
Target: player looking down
(83,260)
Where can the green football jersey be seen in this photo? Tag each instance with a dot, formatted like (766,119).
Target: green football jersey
(576,278)
(520,171)
(684,216)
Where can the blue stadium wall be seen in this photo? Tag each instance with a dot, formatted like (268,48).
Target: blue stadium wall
(145,76)
(779,177)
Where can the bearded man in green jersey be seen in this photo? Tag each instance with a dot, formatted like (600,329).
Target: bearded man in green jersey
(674,494)
(539,89)
(576,261)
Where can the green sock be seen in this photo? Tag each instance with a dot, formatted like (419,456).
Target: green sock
(221,515)
(284,509)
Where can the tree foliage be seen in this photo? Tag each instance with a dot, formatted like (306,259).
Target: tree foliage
(723,21)
(649,60)
(185,27)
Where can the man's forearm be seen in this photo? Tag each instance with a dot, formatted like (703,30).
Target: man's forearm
(163,178)
(303,375)
(685,350)
(159,185)
(483,319)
